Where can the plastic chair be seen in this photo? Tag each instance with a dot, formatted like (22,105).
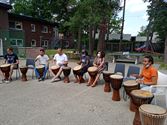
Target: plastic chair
(30,63)
(160,88)
(120,68)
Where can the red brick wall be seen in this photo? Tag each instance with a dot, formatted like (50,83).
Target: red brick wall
(32,52)
(3,19)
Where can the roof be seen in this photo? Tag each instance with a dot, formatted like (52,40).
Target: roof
(5,6)
(30,18)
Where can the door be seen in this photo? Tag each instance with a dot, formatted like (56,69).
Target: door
(1,47)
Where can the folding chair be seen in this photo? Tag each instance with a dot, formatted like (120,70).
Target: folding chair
(30,63)
(120,68)
(17,71)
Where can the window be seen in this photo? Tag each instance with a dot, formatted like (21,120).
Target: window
(44,29)
(33,43)
(33,27)
(15,25)
(44,43)
(16,42)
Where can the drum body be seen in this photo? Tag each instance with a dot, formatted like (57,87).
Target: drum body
(5,68)
(130,85)
(55,69)
(140,97)
(152,114)
(92,72)
(106,77)
(23,70)
(116,83)
(77,70)
(66,72)
(40,69)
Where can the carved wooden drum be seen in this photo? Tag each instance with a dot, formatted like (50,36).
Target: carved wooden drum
(66,72)
(92,72)
(23,70)
(5,68)
(106,77)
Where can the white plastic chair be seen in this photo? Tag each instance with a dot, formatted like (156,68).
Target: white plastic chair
(161,87)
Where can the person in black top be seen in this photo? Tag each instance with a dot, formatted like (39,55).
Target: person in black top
(11,58)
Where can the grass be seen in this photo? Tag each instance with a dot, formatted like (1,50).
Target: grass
(163,66)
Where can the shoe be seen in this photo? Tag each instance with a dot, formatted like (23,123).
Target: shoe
(40,79)
(7,81)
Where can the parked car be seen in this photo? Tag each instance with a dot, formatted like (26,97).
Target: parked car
(142,48)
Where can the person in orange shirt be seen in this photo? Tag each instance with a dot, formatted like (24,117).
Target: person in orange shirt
(149,73)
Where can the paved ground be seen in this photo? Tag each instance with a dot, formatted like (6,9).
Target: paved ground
(45,103)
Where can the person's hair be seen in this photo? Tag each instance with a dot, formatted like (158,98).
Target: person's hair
(150,59)
(102,54)
(10,48)
(60,49)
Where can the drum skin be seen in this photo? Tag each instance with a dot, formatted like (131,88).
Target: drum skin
(140,97)
(152,114)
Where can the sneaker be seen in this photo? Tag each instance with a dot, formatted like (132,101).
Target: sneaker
(40,79)
(7,81)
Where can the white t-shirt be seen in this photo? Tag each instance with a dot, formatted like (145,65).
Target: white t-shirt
(42,59)
(60,59)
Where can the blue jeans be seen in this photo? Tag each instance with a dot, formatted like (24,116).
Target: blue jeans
(44,73)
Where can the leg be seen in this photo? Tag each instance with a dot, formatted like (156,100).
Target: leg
(89,81)
(76,77)
(37,73)
(95,82)
(58,74)
(52,72)
(11,72)
(45,71)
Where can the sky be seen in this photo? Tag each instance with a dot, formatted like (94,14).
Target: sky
(135,16)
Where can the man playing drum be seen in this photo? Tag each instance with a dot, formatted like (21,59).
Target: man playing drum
(11,58)
(149,74)
(85,64)
(43,60)
(99,62)
(61,60)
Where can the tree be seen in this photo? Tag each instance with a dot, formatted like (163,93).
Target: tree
(143,31)
(157,11)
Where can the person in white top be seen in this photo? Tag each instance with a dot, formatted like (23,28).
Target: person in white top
(61,60)
(43,59)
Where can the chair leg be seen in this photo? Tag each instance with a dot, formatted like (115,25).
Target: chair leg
(166,96)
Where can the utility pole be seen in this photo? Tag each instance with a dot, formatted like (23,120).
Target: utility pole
(122,27)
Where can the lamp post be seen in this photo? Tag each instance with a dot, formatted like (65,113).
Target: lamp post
(122,27)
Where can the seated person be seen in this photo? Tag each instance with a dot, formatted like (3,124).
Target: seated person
(85,64)
(99,62)
(43,60)
(11,58)
(61,60)
(149,74)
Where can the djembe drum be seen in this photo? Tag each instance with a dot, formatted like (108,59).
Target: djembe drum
(23,70)
(5,68)
(77,70)
(152,114)
(66,72)
(40,70)
(140,97)
(116,82)
(92,72)
(55,69)
(130,85)
(106,77)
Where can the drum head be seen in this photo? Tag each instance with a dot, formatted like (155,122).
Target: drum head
(5,65)
(141,93)
(116,76)
(55,67)
(107,72)
(153,109)
(76,68)
(66,67)
(40,66)
(22,67)
(130,83)
(92,69)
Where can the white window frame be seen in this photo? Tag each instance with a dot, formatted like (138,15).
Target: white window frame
(33,28)
(44,43)
(44,29)
(16,40)
(16,23)
(34,42)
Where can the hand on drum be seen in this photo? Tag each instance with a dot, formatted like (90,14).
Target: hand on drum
(140,81)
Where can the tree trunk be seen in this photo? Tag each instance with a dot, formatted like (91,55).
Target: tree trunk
(91,41)
(79,39)
(103,30)
(165,51)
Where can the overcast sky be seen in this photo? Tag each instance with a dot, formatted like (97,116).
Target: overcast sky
(135,16)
